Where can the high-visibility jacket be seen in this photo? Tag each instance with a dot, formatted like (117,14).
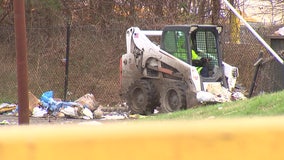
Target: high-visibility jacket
(181,52)
(182,55)
(195,56)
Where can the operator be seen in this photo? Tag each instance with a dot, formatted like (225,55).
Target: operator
(200,64)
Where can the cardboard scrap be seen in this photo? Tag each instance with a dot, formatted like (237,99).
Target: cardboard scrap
(33,102)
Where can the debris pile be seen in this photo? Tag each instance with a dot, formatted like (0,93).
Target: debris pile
(215,93)
(86,107)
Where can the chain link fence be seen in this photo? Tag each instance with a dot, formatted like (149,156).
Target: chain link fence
(94,59)
(245,54)
(93,62)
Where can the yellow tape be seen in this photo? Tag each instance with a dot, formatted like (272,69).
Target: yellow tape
(176,140)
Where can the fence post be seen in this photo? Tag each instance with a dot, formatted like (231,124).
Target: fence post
(67,59)
(257,64)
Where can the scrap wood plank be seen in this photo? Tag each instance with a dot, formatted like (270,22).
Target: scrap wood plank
(168,140)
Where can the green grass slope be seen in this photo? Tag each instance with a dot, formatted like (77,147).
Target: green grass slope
(262,105)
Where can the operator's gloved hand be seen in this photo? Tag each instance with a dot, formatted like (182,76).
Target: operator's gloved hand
(204,61)
(201,62)
(197,63)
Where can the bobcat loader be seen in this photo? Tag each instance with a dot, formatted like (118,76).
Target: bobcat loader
(153,75)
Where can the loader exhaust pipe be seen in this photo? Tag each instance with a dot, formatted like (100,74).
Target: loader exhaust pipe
(254,32)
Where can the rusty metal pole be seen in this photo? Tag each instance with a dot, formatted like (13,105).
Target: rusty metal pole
(21,50)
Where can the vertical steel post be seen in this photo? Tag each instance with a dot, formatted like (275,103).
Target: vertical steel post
(257,64)
(67,59)
(21,50)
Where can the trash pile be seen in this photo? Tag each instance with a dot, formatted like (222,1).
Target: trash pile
(86,107)
(215,93)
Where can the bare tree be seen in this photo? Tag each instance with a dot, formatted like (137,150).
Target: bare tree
(6,9)
(216,4)
(201,11)
(270,11)
(275,9)
(159,9)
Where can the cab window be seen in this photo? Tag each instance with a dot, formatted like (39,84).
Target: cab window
(175,44)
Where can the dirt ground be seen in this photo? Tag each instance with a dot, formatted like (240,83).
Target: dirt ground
(13,120)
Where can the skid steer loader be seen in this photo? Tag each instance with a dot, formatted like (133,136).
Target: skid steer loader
(165,75)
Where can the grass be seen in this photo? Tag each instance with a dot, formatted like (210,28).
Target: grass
(262,105)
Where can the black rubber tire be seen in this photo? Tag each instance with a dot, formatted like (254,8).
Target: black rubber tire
(141,97)
(173,97)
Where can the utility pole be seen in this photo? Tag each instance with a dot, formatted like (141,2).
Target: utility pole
(21,51)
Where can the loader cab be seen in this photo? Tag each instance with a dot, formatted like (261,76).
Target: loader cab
(203,39)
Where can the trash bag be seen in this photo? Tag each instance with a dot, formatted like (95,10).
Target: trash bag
(46,96)
(87,113)
(98,113)
(39,112)
(70,112)
(49,103)
(203,96)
